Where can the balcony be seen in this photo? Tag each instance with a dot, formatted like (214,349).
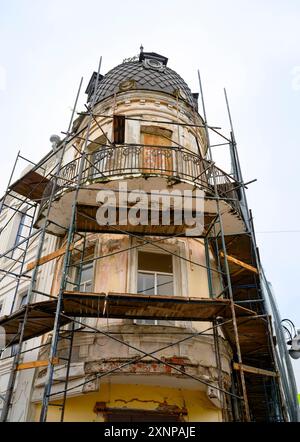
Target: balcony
(172,166)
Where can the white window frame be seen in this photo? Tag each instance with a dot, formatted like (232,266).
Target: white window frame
(72,276)
(155,273)
(180,270)
(92,281)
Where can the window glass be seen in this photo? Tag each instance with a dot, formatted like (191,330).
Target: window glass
(164,284)
(19,236)
(146,283)
(23,299)
(86,279)
(155,277)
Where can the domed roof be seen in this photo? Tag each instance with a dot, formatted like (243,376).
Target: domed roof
(149,72)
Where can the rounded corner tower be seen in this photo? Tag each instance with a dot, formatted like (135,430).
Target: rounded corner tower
(152,272)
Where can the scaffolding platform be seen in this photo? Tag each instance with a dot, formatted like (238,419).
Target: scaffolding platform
(253,332)
(41,315)
(40,320)
(140,306)
(31,185)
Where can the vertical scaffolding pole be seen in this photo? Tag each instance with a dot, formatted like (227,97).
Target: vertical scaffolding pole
(215,334)
(54,341)
(250,226)
(234,320)
(9,181)
(280,388)
(72,331)
(219,367)
(13,373)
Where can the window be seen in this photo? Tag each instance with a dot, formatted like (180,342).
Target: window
(155,273)
(86,278)
(20,232)
(14,349)
(155,277)
(23,299)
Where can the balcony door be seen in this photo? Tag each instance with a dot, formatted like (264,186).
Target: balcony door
(157,153)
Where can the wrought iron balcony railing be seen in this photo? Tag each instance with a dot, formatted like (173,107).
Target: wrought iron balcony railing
(132,160)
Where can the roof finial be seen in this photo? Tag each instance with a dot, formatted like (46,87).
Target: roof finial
(141,48)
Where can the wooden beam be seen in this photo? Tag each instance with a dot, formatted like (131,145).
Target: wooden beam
(254,370)
(239,263)
(35,364)
(56,254)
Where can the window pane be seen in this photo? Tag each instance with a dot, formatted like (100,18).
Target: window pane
(86,273)
(145,321)
(146,283)
(155,262)
(86,286)
(23,300)
(164,284)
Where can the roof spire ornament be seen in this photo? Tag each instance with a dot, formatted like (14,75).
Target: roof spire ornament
(141,48)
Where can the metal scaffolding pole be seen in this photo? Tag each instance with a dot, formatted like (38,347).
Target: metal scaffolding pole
(13,373)
(238,350)
(54,342)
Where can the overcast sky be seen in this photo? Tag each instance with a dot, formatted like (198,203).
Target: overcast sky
(250,47)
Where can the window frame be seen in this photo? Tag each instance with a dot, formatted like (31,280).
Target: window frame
(179,266)
(92,280)
(18,237)
(155,273)
(180,280)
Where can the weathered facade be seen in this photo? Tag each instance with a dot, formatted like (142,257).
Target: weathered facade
(125,321)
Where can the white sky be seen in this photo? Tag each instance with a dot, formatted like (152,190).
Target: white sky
(250,47)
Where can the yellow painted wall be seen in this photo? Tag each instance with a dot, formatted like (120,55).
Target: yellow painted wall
(80,408)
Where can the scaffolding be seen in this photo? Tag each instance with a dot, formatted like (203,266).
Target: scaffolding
(239,310)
